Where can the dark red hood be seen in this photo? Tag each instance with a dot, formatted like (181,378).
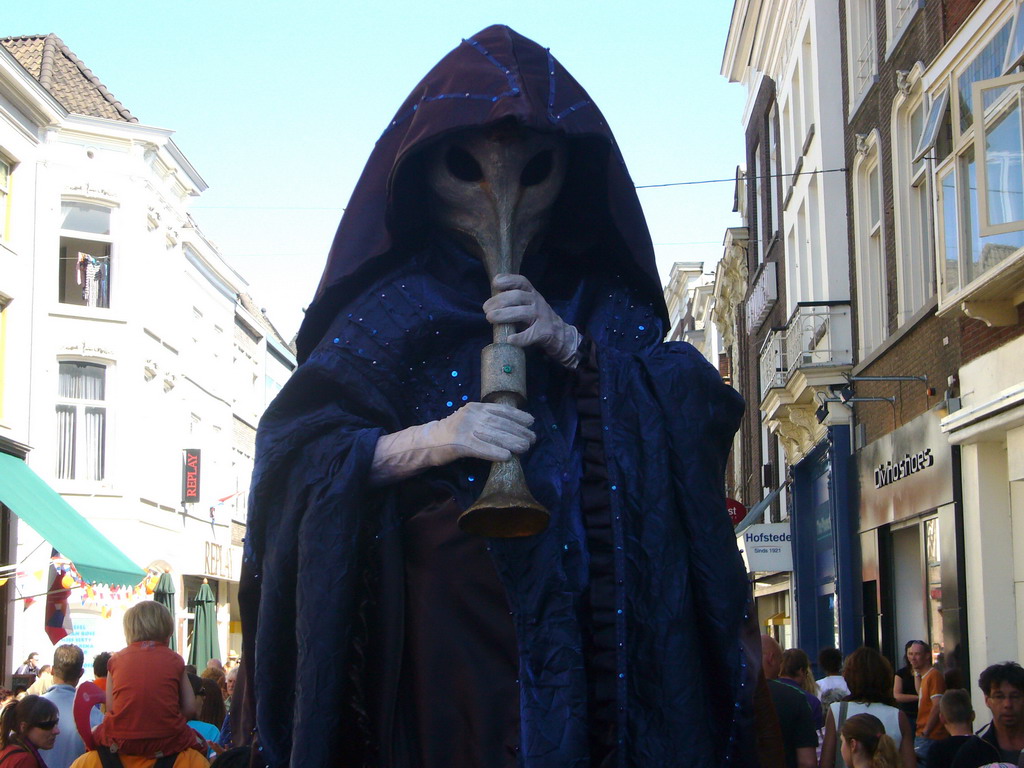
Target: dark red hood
(495,75)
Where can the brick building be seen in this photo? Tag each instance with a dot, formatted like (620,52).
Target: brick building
(929,98)
(910,526)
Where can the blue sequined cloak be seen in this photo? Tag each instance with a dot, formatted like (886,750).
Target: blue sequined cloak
(322,579)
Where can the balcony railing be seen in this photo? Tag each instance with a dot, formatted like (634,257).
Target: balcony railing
(818,335)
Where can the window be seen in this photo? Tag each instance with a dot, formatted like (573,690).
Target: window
(81,421)
(807,78)
(757,220)
(796,99)
(899,14)
(998,139)
(862,60)
(915,270)
(774,182)
(4,303)
(85,246)
(979,178)
(870,256)
(5,192)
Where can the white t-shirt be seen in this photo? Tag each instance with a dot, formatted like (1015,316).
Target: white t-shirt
(890,716)
(832,682)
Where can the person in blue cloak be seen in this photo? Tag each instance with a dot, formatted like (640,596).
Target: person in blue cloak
(376,632)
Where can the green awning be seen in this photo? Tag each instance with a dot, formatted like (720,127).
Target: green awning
(96,559)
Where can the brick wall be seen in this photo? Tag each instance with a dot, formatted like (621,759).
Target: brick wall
(748,382)
(956,12)
(932,346)
(978,338)
(920,42)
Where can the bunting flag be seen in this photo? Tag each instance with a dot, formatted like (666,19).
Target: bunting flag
(58,613)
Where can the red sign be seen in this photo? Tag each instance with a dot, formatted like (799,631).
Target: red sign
(190,476)
(736,511)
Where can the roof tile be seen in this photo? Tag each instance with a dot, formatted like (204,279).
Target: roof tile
(66,77)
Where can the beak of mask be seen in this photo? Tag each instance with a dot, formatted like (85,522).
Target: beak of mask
(495,187)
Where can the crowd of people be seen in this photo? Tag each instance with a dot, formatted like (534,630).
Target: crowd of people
(154,711)
(144,708)
(862,714)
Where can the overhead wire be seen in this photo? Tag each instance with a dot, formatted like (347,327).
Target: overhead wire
(731,179)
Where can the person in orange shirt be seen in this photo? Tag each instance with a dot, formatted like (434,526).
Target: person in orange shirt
(149,696)
(930,686)
(99,669)
(187,759)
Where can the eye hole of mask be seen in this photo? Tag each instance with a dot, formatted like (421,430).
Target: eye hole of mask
(538,169)
(462,165)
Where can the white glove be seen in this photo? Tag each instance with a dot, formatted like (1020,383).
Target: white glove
(477,430)
(518,302)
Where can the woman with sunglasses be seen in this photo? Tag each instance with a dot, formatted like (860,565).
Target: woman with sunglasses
(26,727)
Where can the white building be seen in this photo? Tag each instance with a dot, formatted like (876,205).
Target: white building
(785,281)
(691,301)
(125,340)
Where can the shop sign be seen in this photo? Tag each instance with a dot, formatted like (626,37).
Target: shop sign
(190,476)
(736,511)
(218,561)
(905,473)
(84,634)
(890,472)
(768,547)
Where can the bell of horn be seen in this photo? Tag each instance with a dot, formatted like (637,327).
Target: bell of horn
(506,508)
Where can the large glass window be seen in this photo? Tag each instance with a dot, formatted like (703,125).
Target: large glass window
(949,273)
(999,139)
(81,421)
(85,255)
(979,154)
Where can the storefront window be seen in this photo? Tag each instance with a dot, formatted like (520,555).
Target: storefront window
(933,564)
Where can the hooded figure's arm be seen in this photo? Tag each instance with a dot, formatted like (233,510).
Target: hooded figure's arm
(519,302)
(477,430)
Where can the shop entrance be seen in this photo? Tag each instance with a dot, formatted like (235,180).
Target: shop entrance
(915,586)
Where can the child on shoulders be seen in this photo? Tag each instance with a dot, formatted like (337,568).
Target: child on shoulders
(149,696)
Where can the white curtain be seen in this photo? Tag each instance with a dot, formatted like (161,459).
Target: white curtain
(66,442)
(81,381)
(95,442)
(84,382)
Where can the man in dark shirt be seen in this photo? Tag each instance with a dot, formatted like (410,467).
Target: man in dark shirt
(799,738)
(1003,739)
(957,715)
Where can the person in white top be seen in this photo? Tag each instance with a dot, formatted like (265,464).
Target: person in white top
(830,661)
(869,677)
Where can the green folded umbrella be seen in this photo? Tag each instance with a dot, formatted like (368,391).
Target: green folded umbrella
(205,645)
(164,594)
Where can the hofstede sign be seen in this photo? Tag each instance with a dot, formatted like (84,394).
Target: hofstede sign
(768,547)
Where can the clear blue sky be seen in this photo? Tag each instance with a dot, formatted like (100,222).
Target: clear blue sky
(278,104)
